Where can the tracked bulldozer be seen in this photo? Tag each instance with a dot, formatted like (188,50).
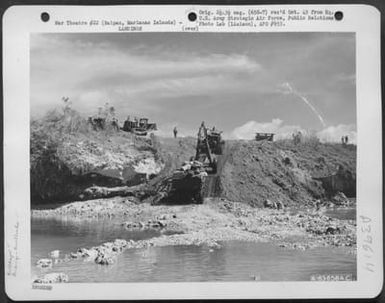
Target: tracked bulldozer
(186,184)
(209,145)
(138,127)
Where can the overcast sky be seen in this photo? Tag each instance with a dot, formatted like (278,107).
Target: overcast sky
(237,82)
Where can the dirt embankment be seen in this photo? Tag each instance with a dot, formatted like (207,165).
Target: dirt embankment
(72,161)
(173,153)
(68,156)
(254,172)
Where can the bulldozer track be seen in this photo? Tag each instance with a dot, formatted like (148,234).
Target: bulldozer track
(213,187)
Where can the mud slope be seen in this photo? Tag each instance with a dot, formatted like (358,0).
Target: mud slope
(174,151)
(281,171)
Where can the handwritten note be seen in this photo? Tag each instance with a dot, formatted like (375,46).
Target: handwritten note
(367,243)
(12,249)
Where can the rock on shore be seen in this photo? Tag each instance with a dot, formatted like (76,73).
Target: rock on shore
(43,263)
(209,224)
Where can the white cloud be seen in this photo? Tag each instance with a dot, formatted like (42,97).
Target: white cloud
(334,133)
(247,131)
(101,62)
(329,134)
(167,82)
(92,73)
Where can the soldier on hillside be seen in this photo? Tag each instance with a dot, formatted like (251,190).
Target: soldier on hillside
(297,138)
(175,132)
(67,105)
(115,124)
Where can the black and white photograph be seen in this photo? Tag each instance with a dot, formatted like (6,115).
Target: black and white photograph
(174,157)
(192,152)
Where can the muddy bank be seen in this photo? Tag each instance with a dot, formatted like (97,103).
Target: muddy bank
(207,224)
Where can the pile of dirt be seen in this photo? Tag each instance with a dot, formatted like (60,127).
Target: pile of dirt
(283,172)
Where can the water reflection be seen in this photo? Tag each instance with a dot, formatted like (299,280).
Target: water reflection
(234,261)
(348,213)
(67,235)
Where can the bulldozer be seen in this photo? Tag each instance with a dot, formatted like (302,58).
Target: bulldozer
(264,136)
(138,127)
(186,184)
(209,144)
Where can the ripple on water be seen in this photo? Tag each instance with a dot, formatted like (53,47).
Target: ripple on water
(342,213)
(234,261)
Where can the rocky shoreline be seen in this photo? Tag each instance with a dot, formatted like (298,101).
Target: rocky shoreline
(209,224)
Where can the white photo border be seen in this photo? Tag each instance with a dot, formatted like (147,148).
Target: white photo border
(20,21)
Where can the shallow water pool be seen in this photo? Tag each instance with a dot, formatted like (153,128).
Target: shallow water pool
(234,261)
(347,213)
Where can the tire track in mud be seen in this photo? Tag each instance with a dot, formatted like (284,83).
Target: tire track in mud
(213,186)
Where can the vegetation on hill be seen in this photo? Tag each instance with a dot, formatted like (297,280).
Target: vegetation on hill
(67,156)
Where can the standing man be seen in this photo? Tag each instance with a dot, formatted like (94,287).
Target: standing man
(299,137)
(175,132)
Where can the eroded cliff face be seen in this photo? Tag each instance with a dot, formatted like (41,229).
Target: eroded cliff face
(67,157)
